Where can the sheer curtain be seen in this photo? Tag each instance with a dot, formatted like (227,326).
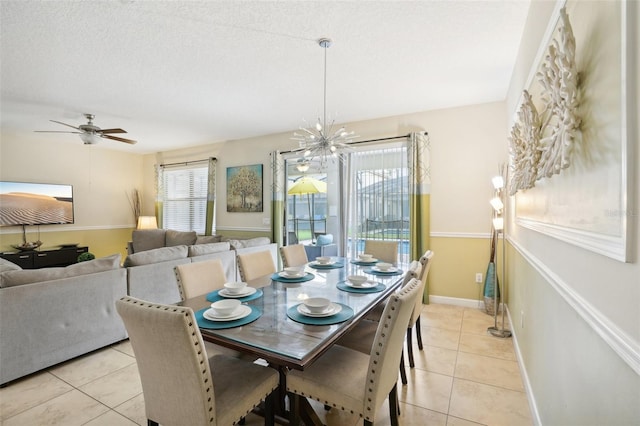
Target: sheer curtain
(377,194)
(420,196)
(278,198)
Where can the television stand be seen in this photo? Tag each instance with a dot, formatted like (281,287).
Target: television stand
(36,259)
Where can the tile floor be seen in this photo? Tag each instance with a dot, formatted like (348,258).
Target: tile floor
(463,377)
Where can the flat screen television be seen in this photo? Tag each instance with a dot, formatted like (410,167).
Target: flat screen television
(24,203)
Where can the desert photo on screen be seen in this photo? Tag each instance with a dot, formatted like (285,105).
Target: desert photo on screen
(25,204)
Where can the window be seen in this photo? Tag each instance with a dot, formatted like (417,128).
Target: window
(380,198)
(184,195)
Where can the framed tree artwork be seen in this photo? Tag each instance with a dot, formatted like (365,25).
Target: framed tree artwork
(244,189)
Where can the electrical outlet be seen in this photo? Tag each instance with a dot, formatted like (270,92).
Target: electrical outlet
(266,221)
(479,277)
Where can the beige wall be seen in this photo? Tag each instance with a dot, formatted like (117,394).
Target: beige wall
(575,313)
(102,182)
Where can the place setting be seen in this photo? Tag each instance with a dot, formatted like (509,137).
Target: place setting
(319,311)
(292,274)
(235,290)
(227,313)
(360,284)
(365,259)
(326,262)
(383,268)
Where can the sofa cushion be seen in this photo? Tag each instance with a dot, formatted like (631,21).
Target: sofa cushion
(207,239)
(147,239)
(202,249)
(92,266)
(179,238)
(156,255)
(251,242)
(29,276)
(6,265)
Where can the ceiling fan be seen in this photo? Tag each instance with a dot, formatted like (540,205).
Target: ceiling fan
(89,133)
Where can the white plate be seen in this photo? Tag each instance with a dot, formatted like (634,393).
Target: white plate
(366,284)
(247,292)
(292,277)
(333,309)
(239,313)
(329,263)
(392,269)
(373,260)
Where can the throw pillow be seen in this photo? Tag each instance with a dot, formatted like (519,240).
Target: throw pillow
(157,255)
(28,276)
(147,239)
(179,238)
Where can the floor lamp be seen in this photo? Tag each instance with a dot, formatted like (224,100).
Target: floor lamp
(498,205)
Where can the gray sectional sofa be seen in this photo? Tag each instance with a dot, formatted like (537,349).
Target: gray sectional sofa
(51,315)
(154,253)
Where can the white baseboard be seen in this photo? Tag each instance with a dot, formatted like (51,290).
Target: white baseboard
(467,303)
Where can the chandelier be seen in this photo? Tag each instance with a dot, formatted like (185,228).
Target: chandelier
(323,141)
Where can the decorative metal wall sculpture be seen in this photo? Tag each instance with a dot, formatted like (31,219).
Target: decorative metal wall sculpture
(560,121)
(541,144)
(524,146)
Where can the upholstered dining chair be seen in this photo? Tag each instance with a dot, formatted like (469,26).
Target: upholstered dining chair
(180,384)
(199,278)
(293,255)
(384,251)
(256,264)
(360,337)
(414,322)
(357,382)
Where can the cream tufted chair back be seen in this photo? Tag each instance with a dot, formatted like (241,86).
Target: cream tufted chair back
(256,264)
(178,375)
(173,365)
(384,251)
(293,255)
(386,350)
(199,278)
(425,261)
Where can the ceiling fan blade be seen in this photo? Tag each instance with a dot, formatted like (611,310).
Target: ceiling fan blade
(113,131)
(65,124)
(55,131)
(115,138)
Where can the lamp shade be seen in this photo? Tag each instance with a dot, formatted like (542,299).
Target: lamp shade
(147,222)
(496,203)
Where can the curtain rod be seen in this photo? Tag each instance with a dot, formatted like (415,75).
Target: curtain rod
(184,163)
(390,138)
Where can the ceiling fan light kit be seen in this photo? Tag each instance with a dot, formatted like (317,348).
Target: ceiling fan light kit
(90,133)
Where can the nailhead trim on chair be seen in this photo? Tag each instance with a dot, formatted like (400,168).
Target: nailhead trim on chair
(195,342)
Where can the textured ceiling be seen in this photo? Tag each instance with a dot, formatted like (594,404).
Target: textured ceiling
(184,73)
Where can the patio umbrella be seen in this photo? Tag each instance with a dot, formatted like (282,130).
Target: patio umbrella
(308,185)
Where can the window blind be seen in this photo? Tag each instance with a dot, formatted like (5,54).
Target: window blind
(184,190)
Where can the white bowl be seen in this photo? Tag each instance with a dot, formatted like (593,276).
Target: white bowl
(365,256)
(323,260)
(317,305)
(357,280)
(225,307)
(383,266)
(235,287)
(292,271)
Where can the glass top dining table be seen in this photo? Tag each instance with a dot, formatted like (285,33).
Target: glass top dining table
(284,342)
